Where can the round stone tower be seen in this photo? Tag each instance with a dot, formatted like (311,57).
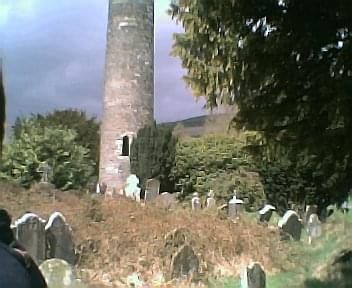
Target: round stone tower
(129,86)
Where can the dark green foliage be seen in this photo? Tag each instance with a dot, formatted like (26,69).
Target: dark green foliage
(2,108)
(86,129)
(287,66)
(219,163)
(153,155)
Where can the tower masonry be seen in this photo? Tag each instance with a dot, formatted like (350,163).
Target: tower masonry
(129,86)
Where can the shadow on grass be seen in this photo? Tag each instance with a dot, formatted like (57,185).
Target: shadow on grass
(315,283)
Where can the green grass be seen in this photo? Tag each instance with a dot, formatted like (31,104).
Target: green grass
(307,258)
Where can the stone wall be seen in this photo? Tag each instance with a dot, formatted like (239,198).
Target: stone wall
(129,84)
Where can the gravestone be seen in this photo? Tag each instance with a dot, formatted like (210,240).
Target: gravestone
(235,207)
(59,239)
(345,207)
(59,274)
(30,232)
(310,209)
(195,202)
(184,263)
(45,170)
(253,276)
(152,189)
(131,188)
(211,202)
(314,228)
(167,200)
(265,213)
(291,225)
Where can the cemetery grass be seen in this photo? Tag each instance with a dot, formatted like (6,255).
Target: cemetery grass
(310,262)
(128,237)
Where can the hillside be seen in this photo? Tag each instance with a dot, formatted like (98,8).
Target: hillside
(201,125)
(118,236)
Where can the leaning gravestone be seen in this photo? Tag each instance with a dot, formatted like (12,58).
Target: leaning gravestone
(59,274)
(291,225)
(152,189)
(30,232)
(313,228)
(59,239)
(265,213)
(253,276)
(234,207)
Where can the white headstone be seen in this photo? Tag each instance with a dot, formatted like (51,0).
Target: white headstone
(196,205)
(211,203)
(59,274)
(131,188)
(313,228)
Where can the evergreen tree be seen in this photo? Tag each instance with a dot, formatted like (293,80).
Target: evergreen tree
(287,67)
(153,154)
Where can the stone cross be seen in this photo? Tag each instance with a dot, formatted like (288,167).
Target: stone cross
(44,168)
(234,207)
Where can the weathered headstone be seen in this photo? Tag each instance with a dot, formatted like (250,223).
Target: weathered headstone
(211,202)
(30,232)
(313,227)
(131,188)
(167,200)
(184,263)
(152,189)
(345,207)
(291,224)
(234,207)
(195,202)
(59,274)
(45,169)
(253,276)
(265,213)
(59,239)
(310,209)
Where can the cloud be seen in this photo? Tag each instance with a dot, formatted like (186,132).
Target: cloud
(54,56)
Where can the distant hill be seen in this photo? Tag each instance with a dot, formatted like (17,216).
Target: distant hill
(200,125)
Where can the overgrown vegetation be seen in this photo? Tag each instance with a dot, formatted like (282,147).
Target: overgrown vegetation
(86,129)
(34,144)
(292,88)
(220,163)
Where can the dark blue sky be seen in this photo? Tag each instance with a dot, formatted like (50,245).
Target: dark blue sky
(54,51)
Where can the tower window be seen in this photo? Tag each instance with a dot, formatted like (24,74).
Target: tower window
(125,146)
